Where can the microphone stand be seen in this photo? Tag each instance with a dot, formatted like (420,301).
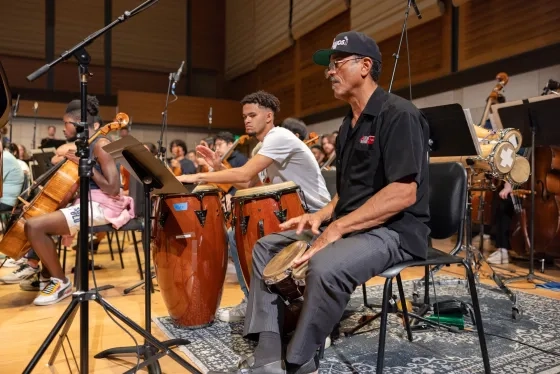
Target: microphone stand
(397,55)
(13,114)
(153,349)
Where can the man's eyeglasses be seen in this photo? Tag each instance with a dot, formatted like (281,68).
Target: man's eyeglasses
(336,64)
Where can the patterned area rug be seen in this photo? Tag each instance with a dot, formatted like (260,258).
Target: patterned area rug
(221,345)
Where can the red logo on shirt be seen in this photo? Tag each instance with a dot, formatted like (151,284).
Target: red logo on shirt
(367,139)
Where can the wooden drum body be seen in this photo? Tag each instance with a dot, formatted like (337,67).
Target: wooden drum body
(190,255)
(258,212)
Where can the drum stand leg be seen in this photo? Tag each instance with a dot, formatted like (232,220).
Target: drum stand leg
(152,349)
(141,283)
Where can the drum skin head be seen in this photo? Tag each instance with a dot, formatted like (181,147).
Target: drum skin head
(276,268)
(269,188)
(520,172)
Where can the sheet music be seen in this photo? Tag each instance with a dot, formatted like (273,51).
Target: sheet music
(468,116)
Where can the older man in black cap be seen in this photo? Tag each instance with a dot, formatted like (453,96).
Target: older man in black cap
(377,219)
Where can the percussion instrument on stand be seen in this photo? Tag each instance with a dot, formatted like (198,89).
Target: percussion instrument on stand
(190,254)
(259,211)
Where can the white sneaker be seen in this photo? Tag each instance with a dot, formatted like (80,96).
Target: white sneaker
(55,291)
(23,272)
(235,314)
(35,283)
(499,257)
(11,263)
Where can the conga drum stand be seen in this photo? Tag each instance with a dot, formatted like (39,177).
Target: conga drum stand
(143,166)
(153,349)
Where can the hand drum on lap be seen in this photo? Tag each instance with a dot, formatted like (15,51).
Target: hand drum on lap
(189,249)
(258,212)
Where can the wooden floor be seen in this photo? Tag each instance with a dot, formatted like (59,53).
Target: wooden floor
(24,326)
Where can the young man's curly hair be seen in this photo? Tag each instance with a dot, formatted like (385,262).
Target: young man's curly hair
(263,99)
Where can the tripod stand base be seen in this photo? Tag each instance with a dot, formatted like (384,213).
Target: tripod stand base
(146,352)
(151,351)
(529,278)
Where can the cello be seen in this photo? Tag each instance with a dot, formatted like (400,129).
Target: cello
(62,182)
(547,207)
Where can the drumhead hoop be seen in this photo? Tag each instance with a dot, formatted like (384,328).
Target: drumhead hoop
(512,136)
(205,188)
(266,189)
(276,269)
(520,172)
(503,156)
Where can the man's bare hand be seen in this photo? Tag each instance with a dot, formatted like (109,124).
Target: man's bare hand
(330,235)
(211,157)
(303,222)
(71,155)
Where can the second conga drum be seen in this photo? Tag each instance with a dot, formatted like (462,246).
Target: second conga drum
(190,255)
(258,212)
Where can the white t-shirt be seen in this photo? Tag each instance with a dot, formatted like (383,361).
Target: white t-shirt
(294,161)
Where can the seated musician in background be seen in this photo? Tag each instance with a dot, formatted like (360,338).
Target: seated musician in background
(297,127)
(191,155)
(109,206)
(50,141)
(377,219)
(179,151)
(503,215)
(282,157)
(319,154)
(12,180)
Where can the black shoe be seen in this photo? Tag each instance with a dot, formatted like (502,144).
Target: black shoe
(247,367)
(311,366)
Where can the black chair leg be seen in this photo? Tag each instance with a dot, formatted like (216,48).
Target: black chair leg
(119,248)
(427,285)
(387,291)
(137,254)
(478,316)
(404,308)
(364,292)
(110,242)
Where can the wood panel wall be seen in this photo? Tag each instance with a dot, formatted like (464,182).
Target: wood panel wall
(153,40)
(310,14)
(187,111)
(22,30)
(384,18)
(489,31)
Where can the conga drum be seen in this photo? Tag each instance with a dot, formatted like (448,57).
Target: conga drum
(259,211)
(190,254)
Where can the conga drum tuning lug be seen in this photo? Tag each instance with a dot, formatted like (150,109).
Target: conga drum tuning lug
(281,215)
(244,223)
(201,215)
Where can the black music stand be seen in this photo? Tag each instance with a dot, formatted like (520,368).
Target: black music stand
(154,176)
(535,118)
(452,136)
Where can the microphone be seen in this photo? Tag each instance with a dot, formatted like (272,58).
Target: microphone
(35,107)
(16,106)
(177,76)
(210,116)
(413,3)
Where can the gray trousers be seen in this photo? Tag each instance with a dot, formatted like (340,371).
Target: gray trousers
(333,274)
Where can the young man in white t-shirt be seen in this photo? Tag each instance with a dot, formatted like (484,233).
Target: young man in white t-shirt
(283,157)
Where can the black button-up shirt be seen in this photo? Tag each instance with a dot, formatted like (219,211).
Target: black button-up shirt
(388,143)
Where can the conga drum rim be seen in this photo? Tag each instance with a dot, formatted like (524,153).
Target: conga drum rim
(205,188)
(277,268)
(507,134)
(503,163)
(265,190)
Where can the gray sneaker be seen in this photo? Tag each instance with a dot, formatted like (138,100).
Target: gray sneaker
(23,272)
(235,314)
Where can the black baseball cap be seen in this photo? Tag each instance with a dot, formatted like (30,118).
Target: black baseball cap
(353,42)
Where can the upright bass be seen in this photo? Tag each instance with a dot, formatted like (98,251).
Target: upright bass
(62,182)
